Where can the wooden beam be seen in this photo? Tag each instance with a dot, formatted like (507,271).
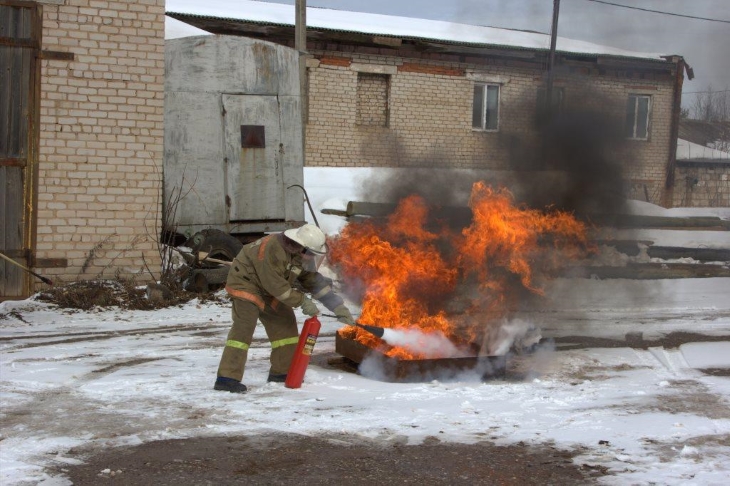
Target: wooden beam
(57,56)
(650,271)
(49,263)
(13,162)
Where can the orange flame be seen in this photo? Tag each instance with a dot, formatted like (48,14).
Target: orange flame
(412,274)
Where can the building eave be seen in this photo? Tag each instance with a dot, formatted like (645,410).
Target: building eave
(285,31)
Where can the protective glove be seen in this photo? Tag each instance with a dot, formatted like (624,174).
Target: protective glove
(308,307)
(343,315)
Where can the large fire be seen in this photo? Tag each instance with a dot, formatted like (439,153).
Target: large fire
(414,272)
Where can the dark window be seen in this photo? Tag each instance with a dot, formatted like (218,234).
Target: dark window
(485,111)
(253,136)
(638,111)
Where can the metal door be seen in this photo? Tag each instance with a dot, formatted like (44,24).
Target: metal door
(253,156)
(19,47)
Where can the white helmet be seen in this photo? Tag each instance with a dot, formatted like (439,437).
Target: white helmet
(309,236)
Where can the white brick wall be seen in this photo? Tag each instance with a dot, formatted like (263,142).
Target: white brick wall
(101,136)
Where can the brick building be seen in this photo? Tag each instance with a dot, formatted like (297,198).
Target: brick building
(396,92)
(703,164)
(702,176)
(82,147)
(81,155)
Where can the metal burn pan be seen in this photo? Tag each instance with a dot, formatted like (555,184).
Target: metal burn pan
(383,367)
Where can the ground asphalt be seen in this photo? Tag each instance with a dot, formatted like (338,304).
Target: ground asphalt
(294,459)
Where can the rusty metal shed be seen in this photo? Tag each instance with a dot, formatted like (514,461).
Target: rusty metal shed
(233,135)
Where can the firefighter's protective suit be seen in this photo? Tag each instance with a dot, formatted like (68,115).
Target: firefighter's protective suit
(266,281)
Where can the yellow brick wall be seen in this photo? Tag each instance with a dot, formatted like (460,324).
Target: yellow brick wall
(430,117)
(101,138)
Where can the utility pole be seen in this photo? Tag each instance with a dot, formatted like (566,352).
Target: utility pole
(551,60)
(300,44)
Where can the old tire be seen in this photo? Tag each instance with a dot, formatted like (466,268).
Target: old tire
(216,243)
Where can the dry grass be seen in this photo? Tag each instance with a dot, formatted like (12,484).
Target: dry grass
(124,294)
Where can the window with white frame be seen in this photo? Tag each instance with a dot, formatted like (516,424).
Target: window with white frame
(638,115)
(485,111)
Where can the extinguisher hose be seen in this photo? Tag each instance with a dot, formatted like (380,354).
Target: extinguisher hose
(309,204)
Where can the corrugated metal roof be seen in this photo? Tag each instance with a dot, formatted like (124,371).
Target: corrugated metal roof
(692,152)
(181,16)
(414,30)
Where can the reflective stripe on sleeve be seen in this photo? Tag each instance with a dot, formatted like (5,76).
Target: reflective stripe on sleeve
(322,292)
(237,344)
(284,342)
(285,295)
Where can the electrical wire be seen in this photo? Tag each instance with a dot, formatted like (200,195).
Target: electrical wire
(659,11)
(699,92)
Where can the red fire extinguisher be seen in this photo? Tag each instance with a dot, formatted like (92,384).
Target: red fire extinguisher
(305,346)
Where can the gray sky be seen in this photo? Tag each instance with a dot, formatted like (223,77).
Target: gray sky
(705,45)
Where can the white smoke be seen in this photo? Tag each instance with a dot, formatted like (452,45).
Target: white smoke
(431,345)
(508,336)
(517,334)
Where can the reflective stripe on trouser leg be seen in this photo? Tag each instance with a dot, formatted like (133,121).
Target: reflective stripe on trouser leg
(245,315)
(281,328)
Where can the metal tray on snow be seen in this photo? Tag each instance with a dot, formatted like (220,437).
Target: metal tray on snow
(390,369)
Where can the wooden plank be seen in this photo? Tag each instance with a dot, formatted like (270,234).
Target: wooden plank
(21,25)
(49,262)
(57,56)
(20,3)
(362,208)
(645,221)
(13,162)
(650,271)
(12,42)
(11,277)
(701,254)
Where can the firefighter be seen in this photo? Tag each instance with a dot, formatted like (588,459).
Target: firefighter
(267,280)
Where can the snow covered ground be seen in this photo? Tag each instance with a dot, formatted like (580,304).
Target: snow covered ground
(105,379)
(96,380)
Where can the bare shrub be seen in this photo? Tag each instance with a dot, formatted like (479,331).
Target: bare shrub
(101,294)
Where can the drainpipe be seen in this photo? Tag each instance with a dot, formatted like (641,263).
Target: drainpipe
(668,199)
(551,60)
(300,44)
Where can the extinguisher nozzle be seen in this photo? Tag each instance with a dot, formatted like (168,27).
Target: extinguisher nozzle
(377,331)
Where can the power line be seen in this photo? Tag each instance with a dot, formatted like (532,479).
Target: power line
(659,11)
(698,92)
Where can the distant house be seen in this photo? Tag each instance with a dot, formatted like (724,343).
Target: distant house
(399,92)
(702,177)
(714,134)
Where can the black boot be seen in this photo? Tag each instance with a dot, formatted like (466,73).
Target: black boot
(277,378)
(229,385)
